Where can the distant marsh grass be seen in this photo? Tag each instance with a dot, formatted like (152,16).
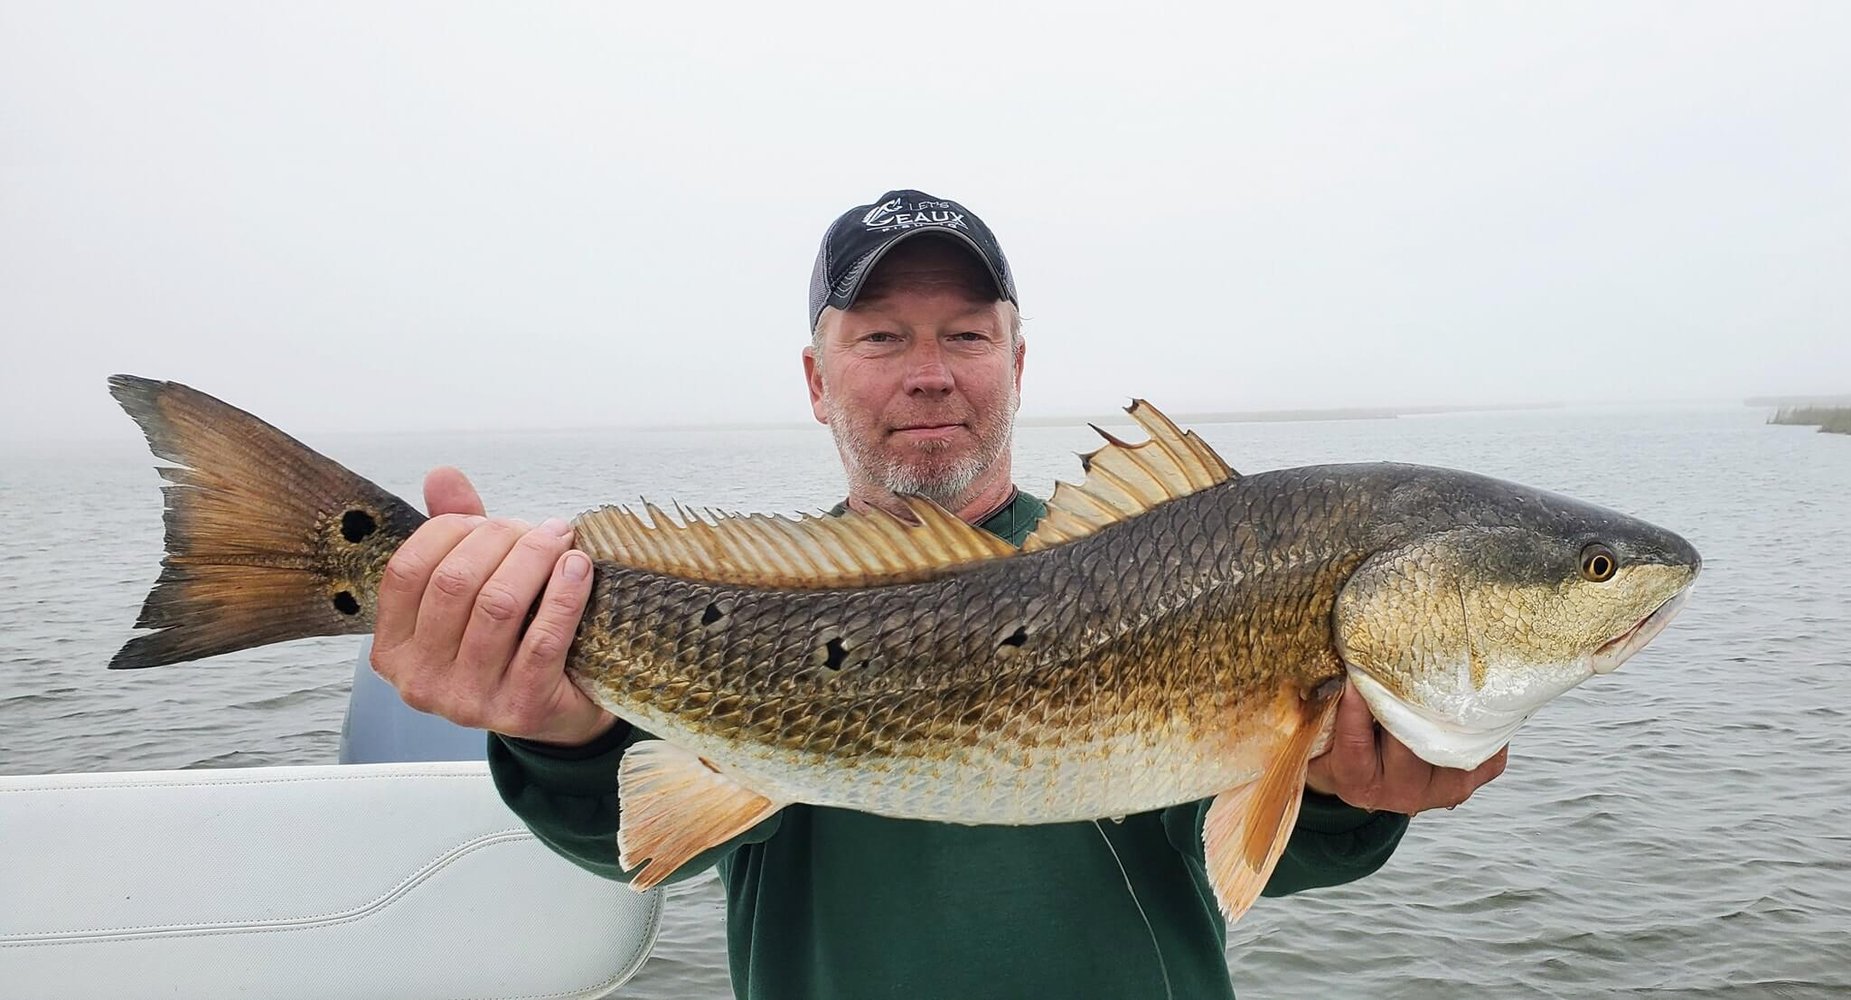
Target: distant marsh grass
(1830,419)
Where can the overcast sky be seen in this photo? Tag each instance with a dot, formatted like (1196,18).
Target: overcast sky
(451,216)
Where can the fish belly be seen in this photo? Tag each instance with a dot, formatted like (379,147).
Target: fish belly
(1003,778)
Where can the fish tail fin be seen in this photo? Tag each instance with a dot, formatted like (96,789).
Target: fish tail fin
(267,540)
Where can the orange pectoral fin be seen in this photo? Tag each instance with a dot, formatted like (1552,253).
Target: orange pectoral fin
(674,806)
(1247,828)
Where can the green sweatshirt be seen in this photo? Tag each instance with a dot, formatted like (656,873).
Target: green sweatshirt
(828,903)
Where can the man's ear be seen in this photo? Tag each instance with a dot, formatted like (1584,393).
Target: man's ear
(813,375)
(1021,352)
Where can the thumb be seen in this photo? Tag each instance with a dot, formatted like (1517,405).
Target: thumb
(447,491)
(1352,763)
(1355,729)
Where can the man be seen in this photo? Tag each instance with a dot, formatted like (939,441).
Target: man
(915,364)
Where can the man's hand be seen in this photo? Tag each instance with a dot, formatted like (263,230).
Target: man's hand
(1368,768)
(448,632)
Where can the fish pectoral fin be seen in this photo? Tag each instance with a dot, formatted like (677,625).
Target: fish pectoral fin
(675,805)
(1247,827)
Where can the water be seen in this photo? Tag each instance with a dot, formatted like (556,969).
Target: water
(1679,828)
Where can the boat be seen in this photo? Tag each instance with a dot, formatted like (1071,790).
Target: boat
(394,872)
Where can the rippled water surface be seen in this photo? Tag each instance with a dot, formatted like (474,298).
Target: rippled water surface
(1679,828)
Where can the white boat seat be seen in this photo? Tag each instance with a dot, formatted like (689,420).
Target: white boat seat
(405,881)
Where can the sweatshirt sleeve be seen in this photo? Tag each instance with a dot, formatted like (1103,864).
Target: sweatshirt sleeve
(568,797)
(1333,843)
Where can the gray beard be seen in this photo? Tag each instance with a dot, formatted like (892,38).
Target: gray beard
(945,487)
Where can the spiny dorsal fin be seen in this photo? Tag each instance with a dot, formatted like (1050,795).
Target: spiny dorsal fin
(1124,480)
(808,553)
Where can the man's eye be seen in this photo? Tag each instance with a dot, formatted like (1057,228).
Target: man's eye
(969,335)
(880,337)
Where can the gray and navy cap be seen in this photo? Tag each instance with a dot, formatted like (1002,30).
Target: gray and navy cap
(861,236)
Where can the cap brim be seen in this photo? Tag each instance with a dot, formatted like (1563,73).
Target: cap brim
(873,258)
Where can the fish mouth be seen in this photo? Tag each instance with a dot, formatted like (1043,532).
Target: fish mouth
(1620,648)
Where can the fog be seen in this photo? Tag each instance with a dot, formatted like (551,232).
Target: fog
(440,216)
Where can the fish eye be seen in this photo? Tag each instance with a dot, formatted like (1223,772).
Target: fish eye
(1599,563)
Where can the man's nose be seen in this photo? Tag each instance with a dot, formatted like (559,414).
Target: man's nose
(928,374)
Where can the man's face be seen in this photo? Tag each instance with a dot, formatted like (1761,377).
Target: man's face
(919,380)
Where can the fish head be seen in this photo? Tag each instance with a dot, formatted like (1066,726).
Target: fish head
(1490,600)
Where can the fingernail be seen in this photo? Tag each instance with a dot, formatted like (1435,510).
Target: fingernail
(576,567)
(555,526)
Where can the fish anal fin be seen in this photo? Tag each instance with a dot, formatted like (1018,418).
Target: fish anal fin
(674,806)
(807,553)
(1246,829)
(1125,480)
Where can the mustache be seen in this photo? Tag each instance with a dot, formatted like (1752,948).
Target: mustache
(928,420)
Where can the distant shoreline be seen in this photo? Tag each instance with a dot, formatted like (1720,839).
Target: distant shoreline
(1288,416)
(1829,419)
(1793,402)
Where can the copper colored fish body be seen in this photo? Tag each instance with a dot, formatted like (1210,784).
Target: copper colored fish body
(1115,671)
(1111,674)
(1172,631)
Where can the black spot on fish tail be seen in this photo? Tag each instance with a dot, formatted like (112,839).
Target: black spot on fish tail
(712,614)
(344,603)
(357,524)
(1017,638)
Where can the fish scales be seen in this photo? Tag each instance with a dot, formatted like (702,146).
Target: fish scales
(1179,623)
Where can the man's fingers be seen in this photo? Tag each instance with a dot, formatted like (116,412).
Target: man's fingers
(401,589)
(1407,779)
(1490,768)
(538,693)
(1367,766)
(1416,785)
(450,599)
(543,648)
(1451,786)
(448,491)
(502,603)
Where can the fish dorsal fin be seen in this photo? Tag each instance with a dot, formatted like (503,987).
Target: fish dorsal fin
(1124,480)
(771,550)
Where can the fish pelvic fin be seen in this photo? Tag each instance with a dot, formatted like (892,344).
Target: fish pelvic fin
(674,805)
(1125,480)
(1246,829)
(266,539)
(759,550)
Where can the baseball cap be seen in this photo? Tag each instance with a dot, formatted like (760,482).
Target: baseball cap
(861,236)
